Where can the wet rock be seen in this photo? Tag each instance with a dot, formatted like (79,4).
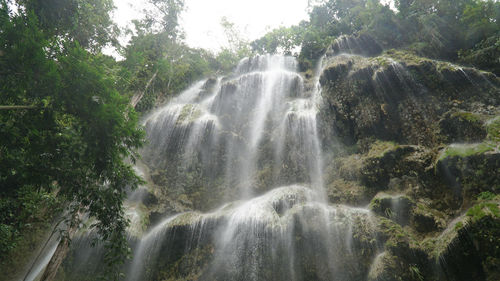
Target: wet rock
(387,267)
(395,162)
(461,127)
(468,249)
(265,233)
(469,169)
(401,97)
(348,192)
(158,177)
(425,219)
(402,259)
(142,195)
(362,44)
(207,89)
(397,208)
(385,165)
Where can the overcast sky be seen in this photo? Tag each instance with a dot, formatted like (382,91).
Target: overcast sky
(201,20)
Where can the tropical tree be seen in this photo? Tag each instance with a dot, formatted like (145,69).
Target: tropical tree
(66,135)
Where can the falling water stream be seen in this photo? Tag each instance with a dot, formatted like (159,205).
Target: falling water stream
(263,112)
(254,136)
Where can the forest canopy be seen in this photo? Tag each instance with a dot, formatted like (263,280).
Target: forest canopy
(69,114)
(466,31)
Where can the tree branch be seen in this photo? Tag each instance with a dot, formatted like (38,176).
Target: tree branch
(10,107)
(137,97)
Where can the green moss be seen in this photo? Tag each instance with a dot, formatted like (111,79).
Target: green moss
(381,61)
(486,195)
(415,272)
(484,209)
(138,216)
(464,150)
(190,266)
(347,192)
(407,57)
(379,148)
(410,58)
(186,219)
(493,129)
(469,116)
(375,203)
(439,245)
(349,167)
(392,229)
(188,114)
(427,219)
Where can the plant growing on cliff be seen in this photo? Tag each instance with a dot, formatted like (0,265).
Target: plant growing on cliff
(463,30)
(69,138)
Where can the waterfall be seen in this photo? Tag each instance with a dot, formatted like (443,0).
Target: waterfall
(241,159)
(231,128)
(263,104)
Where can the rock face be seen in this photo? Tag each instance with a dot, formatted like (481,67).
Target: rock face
(400,97)
(381,167)
(420,138)
(459,126)
(362,44)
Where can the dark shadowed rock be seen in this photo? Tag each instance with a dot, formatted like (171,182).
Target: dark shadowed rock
(362,44)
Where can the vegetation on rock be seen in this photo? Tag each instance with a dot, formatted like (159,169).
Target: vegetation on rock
(404,129)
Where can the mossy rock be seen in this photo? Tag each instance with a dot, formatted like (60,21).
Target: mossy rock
(397,208)
(493,129)
(387,267)
(485,231)
(466,150)
(188,114)
(362,44)
(352,193)
(207,89)
(402,259)
(383,165)
(189,267)
(394,162)
(469,249)
(462,127)
(425,219)
(401,97)
(470,169)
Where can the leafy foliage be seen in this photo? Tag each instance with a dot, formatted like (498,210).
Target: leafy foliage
(157,61)
(462,30)
(82,21)
(69,145)
(66,148)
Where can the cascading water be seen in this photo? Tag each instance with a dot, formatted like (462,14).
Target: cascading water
(264,104)
(261,118)
(234,172)
(250,139)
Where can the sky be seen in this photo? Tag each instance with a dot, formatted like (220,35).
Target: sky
(201,20)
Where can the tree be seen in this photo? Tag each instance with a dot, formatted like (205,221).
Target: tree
(164,17)
(71,143)
(238,47)
(481,19)
(403,7)
(280,40)
(158,64)
(83,21)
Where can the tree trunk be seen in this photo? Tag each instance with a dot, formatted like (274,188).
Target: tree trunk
(62,249)
(137,97)
(10,107)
